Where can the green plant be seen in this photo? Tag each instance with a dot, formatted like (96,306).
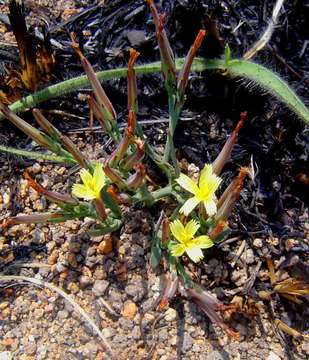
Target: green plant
(198,219)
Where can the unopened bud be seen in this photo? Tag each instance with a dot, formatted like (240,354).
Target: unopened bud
(131,80)
(226,151)
(137,178)
(102,99)
(183,75)
(53,196)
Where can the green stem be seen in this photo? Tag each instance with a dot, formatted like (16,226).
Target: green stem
(36,155)
(79,82)
(163,192)
(242,68)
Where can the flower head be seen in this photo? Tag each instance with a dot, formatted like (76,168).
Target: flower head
(92,184)
(186,240)
(203,191)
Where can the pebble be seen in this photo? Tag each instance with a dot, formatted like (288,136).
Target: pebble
(4,305)
(105,246)
(6,355)
(173,340)
(63,314)
(216,355)
(136,333)
(135,290)
(61,170)
(99,273)
(125,324)
(273,356)
(248,256)
(305,347)
(170,314)
(52,259)
(108,332)
(187,342)
(239,277)
(258,243)
(73,287)
(129,310)
(41,352)
(30,348)
(136,37)
(85,281)
(100,287)
(36,168)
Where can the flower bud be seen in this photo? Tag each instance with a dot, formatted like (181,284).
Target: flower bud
(137,179)
(135,157)
(114,176)
(121,149)
(231,195)
(45,124)
(95,108)
(53,196)
(183,75)
(209,304)
(120,198)
(220,226)
(226,151)
(131,80)
(100,208)
(33,219)
(107,108)
(32,132)
(169,292)
(167,57)
(74,151)
(165,238)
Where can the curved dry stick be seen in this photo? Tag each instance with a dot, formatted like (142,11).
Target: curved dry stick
(59,291)
(264,39)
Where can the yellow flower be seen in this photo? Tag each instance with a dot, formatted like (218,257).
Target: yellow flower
(187,242)
(92,184)
(203,192)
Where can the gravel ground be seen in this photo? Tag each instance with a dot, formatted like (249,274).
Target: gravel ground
(110,279)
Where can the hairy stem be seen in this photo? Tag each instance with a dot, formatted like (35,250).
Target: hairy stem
(36,155)
(242,68)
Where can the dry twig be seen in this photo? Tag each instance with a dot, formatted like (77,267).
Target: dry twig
(77,308)
(264,39)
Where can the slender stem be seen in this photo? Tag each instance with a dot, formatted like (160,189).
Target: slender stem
(36,155)
(235,68)
(163,192)
(80,82)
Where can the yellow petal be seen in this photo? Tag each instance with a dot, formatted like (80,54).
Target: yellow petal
(82,191)
(205,173)
(188,184)
(177,249)
(98,177)
(189,205)
(210,207)
(209,182)
(86,177)
(195,253)
(204,242)
(191,228)
(177,229)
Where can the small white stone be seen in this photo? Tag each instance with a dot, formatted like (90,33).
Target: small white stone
(5,355)
(36,168)
(273,356)
(258,243)
(170,314)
